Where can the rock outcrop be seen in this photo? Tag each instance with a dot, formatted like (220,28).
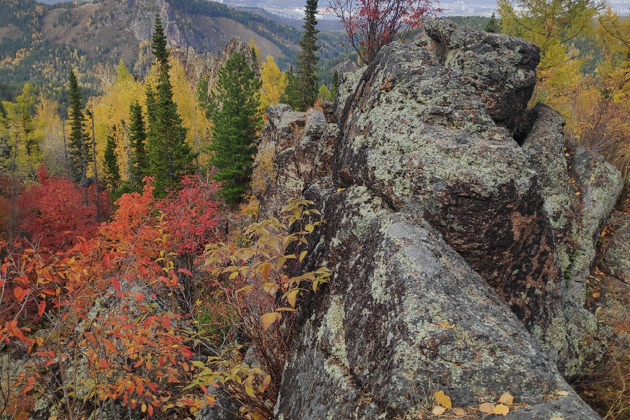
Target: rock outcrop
(460,231)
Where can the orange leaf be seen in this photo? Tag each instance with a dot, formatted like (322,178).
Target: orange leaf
(18,292)
(188,402)
(106,260)
(41,308)
(143,271)
(150,411)
(103,363)
(139,389)
(139,296)
(91,337)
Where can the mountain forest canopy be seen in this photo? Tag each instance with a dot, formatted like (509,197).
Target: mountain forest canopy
(150,256)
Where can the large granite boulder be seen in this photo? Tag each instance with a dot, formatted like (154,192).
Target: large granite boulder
(460,230)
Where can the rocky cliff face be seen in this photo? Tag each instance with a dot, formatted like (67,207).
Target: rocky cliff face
(460,232)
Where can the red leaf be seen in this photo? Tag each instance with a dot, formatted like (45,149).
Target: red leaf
(103,363)
(41,308)
(143,271)
(106,260)
(116,284)
(183,270)
(91,337)
(139,296)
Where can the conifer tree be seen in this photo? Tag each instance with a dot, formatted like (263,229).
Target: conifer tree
(335,85)
(158,45)
(112,173)
(137,140)
(492,26)
(237,121)
(169,156)
(79,147)
(291,95)
(308,82)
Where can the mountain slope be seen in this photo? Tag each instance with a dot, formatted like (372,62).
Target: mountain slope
(40,43)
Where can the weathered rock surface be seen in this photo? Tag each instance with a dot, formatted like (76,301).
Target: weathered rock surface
(460,230)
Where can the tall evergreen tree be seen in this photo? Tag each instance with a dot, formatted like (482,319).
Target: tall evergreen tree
(308,83)
(237,121)
(159,43)
(169,156)
(112,173)
(137,142)
(79,146)
(291,95)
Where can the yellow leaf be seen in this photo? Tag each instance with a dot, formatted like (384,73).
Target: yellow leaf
(557,418)
(266,382)
(292,297)
(506,399)
(442,399)
(501,410)
(249,391)
(486,408)
(309,228)
(143,408)
(596,295)
(269,318)
(562,393)
(340,189)
(302,255)
(438,410)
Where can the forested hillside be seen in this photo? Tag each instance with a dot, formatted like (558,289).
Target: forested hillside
(39,44)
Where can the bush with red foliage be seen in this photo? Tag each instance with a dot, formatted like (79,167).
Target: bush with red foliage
(55,212)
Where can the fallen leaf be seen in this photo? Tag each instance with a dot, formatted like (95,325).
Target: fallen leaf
(595,295)
(442,399)
(438,410)
(459,412)
(486,408)
(562,393)
(506,399)
(501,410)
(557,418)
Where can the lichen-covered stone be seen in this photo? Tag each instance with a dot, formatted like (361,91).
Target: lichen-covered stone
(404,312)
(500,68)
(453,217)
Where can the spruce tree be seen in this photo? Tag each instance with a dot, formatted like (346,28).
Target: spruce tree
(335,86)
(492,26)
(79,147)
(112,173)
(291,95)
(169,156)
(137,142)
(308,82)
(237,121)
(158,45)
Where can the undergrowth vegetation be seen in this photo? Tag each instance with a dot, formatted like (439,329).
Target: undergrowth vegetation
(153,310)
